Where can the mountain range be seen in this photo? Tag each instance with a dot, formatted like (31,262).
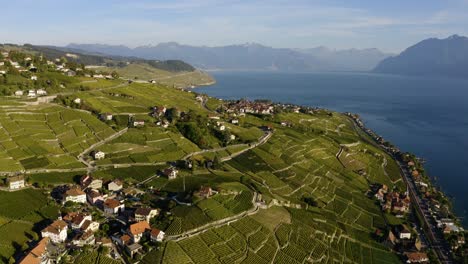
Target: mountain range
(437,57)
(250,56)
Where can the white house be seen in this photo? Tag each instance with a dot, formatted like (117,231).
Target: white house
(235,121)
(137,230)
(78,221)
(19,93)
(16,182)
(75,195)
(115,185)
(77,101)
(404,233)
(2,72)
(34,78)
(112,206)
(145,214)
(138,123)
(31,93)
(106,117)
(171,173)
(41,92)
(222,128)
(157,235)
(98,155)
(57,231)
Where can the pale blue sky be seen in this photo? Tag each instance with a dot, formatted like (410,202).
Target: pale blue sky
(390,25)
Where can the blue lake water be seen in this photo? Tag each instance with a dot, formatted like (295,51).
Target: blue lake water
(425,116)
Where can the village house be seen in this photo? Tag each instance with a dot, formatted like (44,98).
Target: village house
(75,195)
(416,257)
(31,93)
(94,196)
(41,92)
(145,214)
(82,239)
(170,173)
(77,101)
(138,123)
(122,240)
(404,232)
(3,72)
(133,249)
(57,231)
(15,182)
(115,185)
(157,235)
(112,206)
(98,76)
(137,231)
(158,111)
(205,192)
(98,155)
(70,73)
(235,121)
(78,220)
(89,225)
(86,181)
(38,254)
(106,117)
(34,78)
(19,93)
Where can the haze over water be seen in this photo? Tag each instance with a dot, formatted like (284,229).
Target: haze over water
(425,116)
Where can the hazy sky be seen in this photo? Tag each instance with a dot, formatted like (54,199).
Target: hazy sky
(390,25)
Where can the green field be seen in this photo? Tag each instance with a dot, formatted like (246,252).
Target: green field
(22,215)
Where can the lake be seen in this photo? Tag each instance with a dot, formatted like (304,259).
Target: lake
(425,116)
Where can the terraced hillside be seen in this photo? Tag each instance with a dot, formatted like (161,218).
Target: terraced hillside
(292,193)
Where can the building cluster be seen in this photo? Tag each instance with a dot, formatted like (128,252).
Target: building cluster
(391,201)
(94,203)
(249,107)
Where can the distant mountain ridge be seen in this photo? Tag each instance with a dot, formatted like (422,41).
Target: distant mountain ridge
(249,56)
(438,57)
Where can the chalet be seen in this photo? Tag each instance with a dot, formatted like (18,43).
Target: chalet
(19,93)
(157,235)
(94,197)
(170,173)
(416,257)
(112,206)
(145,214)
(41,92)
(137,231)
(138,123)
(86,181)
(75,195)
(15,182)
(57,231)
(38,254)
(98,155)
(115,185)
(82,239)
(133,249)
(34,78)
(106,117)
